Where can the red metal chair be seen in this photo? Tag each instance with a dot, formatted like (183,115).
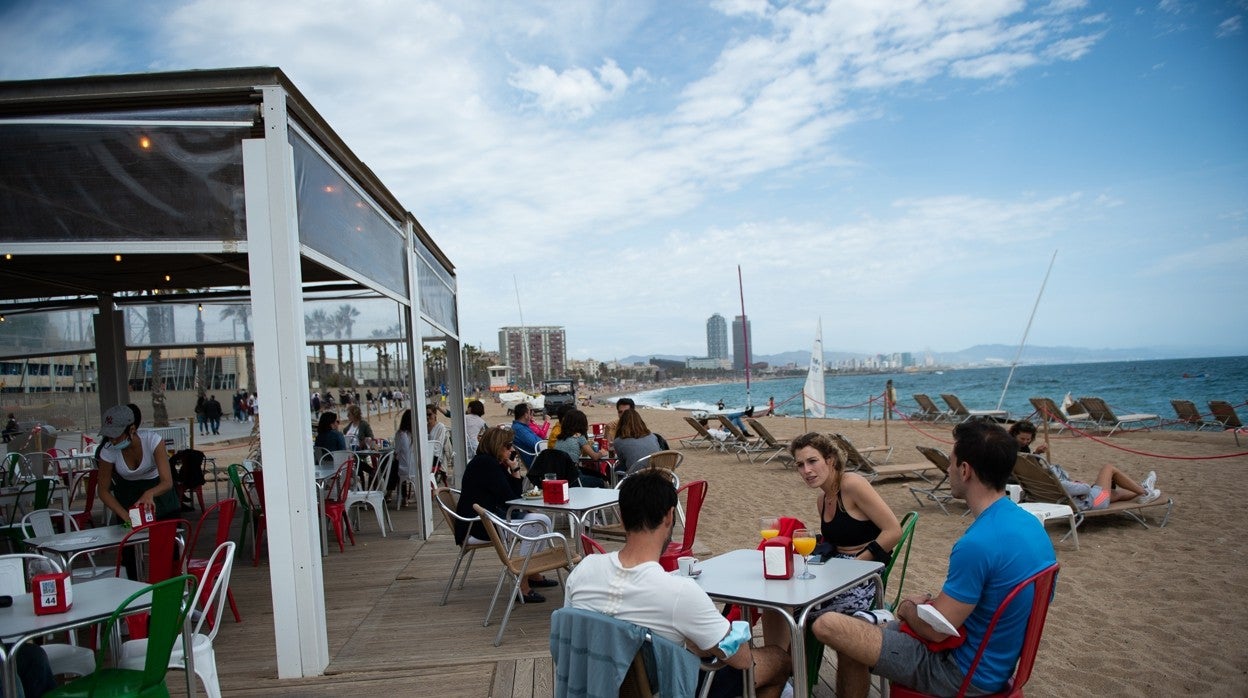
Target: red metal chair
(198,566)
(695,493)
(591,546)
(336,491)
(164,559)
(1043,582)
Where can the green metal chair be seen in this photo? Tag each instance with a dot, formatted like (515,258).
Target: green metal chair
(33,495)
(235,472)
(901,551)
(170,603)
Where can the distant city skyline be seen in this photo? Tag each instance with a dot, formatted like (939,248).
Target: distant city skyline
(903,171)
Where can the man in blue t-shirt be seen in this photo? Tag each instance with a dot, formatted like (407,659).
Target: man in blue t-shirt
(1004,546)
(524,439)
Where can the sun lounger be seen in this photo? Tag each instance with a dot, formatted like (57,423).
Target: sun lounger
(738,442)
(1100,413)
(962,414)
(1188,415)
(1041,485)
(859,461)
(779,449)
(928,411)
(1047,410)
(1225,414)
(701,437)
(940,492)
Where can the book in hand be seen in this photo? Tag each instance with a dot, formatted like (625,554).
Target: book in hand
(928,614)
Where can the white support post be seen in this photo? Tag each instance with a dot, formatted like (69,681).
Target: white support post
(295,572)
(416,364)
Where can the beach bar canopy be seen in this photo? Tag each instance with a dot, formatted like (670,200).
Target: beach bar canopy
(215,186)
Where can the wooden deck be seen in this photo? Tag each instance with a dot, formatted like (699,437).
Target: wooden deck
(387,633)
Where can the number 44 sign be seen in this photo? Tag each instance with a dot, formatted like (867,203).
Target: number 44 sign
(53,593)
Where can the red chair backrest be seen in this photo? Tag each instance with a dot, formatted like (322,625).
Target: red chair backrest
(164,560)
(339,486)
(695,494)
(93,479)
(225,517)
(1043,595)
(591,546)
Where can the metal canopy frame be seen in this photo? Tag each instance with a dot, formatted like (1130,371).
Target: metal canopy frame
(260,256)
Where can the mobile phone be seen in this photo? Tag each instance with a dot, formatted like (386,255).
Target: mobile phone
(817,560)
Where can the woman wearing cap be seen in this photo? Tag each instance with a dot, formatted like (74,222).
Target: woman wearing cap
(136,466)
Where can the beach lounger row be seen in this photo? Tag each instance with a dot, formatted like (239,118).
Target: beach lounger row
(957,412)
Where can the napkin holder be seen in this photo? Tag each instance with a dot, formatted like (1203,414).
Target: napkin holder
(555,491)
(778,558)
(52,593)
(141,514)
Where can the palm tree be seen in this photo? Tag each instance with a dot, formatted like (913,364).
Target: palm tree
(336,326)
(242,313)
(200,372)
(159,331)
(345,318)
(317,323)
(383,354)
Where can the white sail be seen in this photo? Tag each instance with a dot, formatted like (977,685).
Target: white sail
(813,392)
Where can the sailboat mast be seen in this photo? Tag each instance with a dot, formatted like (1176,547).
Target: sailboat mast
(745,338)
(1026,331)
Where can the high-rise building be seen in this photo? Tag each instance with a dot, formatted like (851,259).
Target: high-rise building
(534,354)
(741,338)
(716,337)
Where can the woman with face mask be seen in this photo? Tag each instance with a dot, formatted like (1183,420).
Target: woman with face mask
(134,467)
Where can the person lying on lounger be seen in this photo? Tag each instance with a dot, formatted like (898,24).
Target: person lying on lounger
(1111,485)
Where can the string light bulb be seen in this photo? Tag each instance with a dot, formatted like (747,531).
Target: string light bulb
(168,278)
(116,258)
(201,307)
(145,143)
(8,255)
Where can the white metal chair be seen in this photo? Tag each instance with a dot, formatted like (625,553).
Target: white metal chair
(63,658)
(558,556)
(374,495)
(448,500)
(209,602)
(40,522)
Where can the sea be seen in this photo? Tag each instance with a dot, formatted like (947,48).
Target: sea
(1128,387)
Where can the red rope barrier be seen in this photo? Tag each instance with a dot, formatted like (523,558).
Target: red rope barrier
(1146,454)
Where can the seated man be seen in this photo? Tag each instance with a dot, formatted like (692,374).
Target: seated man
(524,438)
(1001,548)
(631,585)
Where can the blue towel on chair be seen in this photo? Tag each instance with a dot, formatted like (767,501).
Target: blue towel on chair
(593,652)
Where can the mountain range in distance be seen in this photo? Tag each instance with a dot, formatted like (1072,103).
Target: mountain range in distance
(985,355)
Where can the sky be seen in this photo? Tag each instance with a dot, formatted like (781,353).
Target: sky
(902,170)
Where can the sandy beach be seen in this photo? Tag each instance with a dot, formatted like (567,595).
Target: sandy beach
(1137,613)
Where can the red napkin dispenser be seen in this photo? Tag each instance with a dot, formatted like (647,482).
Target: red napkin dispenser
(778,558)
(140,515)
(53,593)
(555,491)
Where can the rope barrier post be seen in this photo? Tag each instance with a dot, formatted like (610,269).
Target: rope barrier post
(1044,423)
(888,406)
(870,409)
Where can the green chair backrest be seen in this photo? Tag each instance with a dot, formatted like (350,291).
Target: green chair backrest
(171,600)
(814,648)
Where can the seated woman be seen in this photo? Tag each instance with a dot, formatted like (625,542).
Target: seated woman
(491,478)
(1024,433)
(633,441)
(855,522)
(1098,494)
(574,440)
(328,438)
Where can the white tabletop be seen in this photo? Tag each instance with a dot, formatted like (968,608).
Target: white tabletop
(93,601)
(738,576)
(580,500)
(71,542)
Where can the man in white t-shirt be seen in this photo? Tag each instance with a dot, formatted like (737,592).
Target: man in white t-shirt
(631,585)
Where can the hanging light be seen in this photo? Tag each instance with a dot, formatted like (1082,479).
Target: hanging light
(145,143)
(168,278)
(8,255)
(116,258)
(201,307)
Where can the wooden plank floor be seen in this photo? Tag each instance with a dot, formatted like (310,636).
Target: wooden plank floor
(387,633)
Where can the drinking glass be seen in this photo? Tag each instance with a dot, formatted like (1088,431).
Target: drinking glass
(804,545)
(769,527)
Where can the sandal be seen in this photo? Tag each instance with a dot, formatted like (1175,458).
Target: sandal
(532,597)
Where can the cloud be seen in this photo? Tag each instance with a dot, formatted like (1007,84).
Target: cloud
(1231,26)
(575,92)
